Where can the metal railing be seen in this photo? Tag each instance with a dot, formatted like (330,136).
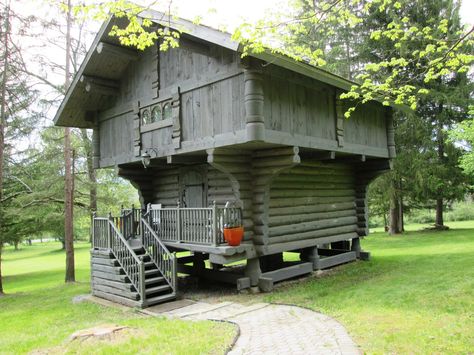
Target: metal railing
(159,253)
(107,235)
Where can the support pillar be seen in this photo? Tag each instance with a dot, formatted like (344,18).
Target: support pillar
(198,263)
(253,271)
(253,98)
(311,255)
(356,246)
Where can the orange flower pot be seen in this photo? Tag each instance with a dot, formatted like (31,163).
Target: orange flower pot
(233,236)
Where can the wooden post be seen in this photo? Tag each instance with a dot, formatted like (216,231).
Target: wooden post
(214,224)
(390,133)
(109,232)
(339,120)
(311,255)
(96,145)
(355,246)
(142,283)
(178,221)
(253,96)
(253,271)
(94,215)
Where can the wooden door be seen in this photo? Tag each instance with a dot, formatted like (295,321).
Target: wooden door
(195,224)
(193,188)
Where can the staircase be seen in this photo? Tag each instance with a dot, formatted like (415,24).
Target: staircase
(136,273)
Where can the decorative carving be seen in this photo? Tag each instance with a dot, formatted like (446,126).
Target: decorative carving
(137,139)
(339,121)
(390,133)
(176,115)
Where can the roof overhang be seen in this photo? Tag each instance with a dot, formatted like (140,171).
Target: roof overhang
(98,77)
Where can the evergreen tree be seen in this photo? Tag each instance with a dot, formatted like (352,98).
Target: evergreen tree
(426,171)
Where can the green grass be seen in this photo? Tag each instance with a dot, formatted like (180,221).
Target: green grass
(38,312)
(416,295)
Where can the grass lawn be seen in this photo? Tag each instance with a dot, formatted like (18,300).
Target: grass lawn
(416,295)
(38,312)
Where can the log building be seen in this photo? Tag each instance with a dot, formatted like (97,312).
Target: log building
(198,127)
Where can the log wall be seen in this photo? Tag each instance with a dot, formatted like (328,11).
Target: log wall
(312,200)
(166,186)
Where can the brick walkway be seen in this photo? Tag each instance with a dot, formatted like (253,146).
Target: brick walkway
(269,329)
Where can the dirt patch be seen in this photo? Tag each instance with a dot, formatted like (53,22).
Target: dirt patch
(102,332)
(105,333)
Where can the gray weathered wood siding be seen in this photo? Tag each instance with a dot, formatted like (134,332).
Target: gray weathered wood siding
(298,105)
(367,126)
(306,108)
(211,83)
(212,110)
(137,82)
(115,139)
(312,200)
(193,61)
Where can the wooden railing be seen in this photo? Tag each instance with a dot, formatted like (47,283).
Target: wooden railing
(106,235)
(193,225)
(159,253)
(130,226)
(201,226)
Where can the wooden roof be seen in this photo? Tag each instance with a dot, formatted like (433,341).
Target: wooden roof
(78,106)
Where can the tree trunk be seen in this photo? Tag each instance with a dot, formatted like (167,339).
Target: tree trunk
(16,244)
(401,223)
(394,215)
(439,222)
(69,183)
(1,281)
(3,116)
(90,172)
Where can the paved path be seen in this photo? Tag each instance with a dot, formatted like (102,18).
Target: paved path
(268,329)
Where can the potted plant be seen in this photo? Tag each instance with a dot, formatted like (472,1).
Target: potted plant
(233,229)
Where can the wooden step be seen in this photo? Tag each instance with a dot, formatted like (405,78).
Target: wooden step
(124,286)
(149,264)
(160,299)
(109,276)
(104,261)
(157,289)
(134,296)
(153,280)
(117,299)
(152,272)
(138,250)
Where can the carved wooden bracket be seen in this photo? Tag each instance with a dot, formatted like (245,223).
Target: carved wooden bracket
(137,139)
(339,121)
(176,115)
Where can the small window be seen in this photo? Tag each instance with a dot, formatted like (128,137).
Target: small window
(167,113)
(156,114)
(146,118)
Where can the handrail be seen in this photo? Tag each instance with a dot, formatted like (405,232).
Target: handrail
(194,225)
(161,256)
(132,265)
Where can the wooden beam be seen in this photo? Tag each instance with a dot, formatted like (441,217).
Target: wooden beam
(116,51)
(95,88)
(267,279)
(186,159)
(322,155)
(356,158)
(334,260)
(100,81)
